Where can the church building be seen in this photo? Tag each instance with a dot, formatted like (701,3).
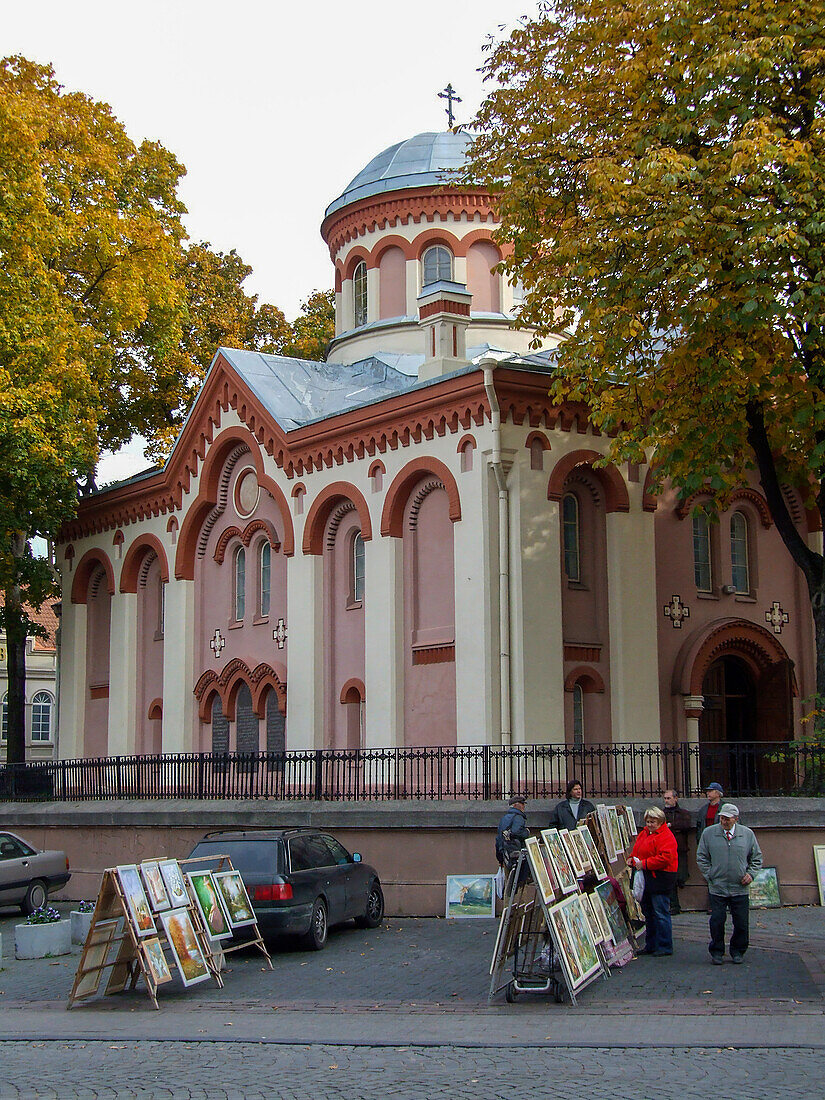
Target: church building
(409,545)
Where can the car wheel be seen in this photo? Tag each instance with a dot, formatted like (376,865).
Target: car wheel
(36,895)
(316,937)
(374,912)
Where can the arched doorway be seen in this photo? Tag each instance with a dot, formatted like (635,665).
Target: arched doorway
(747,715)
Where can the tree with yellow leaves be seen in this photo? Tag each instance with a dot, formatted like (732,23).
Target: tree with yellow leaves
(661,173)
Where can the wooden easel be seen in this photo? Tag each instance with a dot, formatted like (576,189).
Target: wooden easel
(130,961)
(224,863)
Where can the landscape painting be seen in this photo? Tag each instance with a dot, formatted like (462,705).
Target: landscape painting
(136,901)
(470,896)
(177,924)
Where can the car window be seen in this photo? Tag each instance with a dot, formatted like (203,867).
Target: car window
(300,857)
(248,856)
(339,853)
(11,848)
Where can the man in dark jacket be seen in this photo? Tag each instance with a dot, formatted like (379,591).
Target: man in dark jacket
(706,815)
(573,809)
(512,831)
(681,825)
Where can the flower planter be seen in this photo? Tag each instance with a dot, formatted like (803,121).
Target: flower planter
(81,923)
(40,941)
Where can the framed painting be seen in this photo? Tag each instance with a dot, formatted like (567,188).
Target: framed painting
(173,881)
(235,898)
(631,820)
(542,869)
(137,904)
(607,833)
(95,953)
(764,891)
(624,831)
(210,904)
(470,896)
(595,927)
(153,881)
(565,949)
(565,875)
(615,917)
(819,867)
(574,916)
(600,913)
(593,852)
(180,932)
(572,852)
(615,830)
(576,837)
(155,960)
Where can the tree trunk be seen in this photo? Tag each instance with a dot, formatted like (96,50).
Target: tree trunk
(16,646)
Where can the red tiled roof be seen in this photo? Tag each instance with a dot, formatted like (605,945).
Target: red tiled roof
(46,617)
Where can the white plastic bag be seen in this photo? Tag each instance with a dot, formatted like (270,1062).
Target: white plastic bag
(500,882)
(638,887)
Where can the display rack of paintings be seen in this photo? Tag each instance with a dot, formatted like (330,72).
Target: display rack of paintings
(565,873)
(153,917)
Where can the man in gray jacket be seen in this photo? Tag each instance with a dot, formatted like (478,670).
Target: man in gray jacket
(728,856)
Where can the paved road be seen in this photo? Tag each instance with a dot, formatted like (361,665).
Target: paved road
(402,1011)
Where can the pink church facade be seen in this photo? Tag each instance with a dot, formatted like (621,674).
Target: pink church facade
(409,545)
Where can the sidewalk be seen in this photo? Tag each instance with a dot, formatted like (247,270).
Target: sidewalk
(425,982)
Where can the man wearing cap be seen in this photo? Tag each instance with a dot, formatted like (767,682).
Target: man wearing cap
(512,830)
(728,856)
(706,815)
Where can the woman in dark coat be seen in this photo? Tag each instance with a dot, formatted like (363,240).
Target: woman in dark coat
(573,809)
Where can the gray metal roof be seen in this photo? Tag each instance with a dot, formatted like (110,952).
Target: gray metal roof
(421,161)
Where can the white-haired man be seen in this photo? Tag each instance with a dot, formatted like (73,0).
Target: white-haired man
(728,856)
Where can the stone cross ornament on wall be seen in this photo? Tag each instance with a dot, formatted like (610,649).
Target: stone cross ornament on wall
(777,617)
(279,634)
(217,644)
(676,611)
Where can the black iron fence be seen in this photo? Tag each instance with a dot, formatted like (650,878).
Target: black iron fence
(466,772)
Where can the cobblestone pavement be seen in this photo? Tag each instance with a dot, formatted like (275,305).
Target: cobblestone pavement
(99,1071)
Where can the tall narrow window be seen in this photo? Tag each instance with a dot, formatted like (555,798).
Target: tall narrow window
(265,572)
(4,722)
(701,552)
(359,294)
(570,535)
(42,716)
(436,264)
(161,606)
(240,584)
(358,568)
(578,716)
(739,553)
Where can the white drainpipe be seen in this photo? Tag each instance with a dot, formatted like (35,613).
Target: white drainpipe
(487,366)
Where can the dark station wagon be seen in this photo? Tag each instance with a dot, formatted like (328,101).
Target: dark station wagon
(300,881)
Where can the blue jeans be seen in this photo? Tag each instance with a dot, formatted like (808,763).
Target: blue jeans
(658,929)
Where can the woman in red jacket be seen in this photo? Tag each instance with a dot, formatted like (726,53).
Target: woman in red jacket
(656,855)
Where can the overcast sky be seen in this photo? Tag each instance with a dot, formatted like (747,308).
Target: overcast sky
(272,107)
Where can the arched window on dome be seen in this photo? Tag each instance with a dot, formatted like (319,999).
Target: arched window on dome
(359,294)
(436,264)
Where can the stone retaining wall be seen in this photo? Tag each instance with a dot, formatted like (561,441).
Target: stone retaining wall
(414,846)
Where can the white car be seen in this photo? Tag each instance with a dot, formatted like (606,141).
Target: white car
(27,876)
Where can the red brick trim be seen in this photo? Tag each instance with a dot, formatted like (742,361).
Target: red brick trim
(444,305)
(155,709)
(759,648)
(85,568)
(465,439)
(375,467)
(433,655)
(99,691)
(537,437)
(392,516)
(135,555)
(615,490)
(588,678)
(353,684)
(745,493)
(322,508)
(227,684)
(582,653)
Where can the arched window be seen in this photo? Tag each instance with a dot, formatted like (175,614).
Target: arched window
(701,552)
(359,294)
(578,716)
(357,584)
(240,584)
(436,264)
(570,536)
(264,573)
(740,575)
(4,722)
(42,716)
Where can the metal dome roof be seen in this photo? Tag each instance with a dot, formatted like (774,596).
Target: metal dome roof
(421,161)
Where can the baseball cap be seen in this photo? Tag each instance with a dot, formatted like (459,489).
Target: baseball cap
(715,787)
(729,810)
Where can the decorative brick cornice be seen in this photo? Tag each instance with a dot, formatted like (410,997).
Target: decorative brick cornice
(586,653)
(444,305)
(400,208)
(434,655)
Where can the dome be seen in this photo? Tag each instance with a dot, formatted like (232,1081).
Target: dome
(420,161)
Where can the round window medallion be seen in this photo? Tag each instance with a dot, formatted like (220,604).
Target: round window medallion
(246,493)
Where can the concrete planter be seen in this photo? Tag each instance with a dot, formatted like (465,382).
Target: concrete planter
(81,923)
(40,941)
